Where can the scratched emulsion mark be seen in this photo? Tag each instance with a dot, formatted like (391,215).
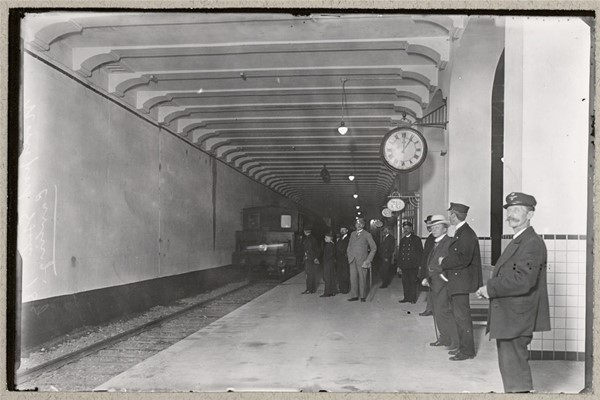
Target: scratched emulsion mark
(38,206)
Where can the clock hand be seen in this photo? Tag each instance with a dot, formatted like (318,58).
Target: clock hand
(405,144)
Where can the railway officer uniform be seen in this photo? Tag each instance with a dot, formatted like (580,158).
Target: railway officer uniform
(462,267)
(386,253)
(341,261)
(518,295)
(410,252)
(361,250)
(312,250)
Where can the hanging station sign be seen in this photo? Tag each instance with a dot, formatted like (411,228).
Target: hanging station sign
(396,204)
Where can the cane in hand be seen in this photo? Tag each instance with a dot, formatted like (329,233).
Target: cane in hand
(425,282)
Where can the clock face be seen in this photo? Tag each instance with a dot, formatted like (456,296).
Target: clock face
(396,204)
(386,212)
(403,149)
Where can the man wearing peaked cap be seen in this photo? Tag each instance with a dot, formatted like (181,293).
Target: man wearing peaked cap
(518,295)
(410,251)
(462,267)
(520,199)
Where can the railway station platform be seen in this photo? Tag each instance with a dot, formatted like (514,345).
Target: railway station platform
(285,341)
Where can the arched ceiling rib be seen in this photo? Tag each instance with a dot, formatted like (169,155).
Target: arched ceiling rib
(263,92)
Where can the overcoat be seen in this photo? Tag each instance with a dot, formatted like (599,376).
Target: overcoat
(463,263)
(387,249)
(427,247)
(518,290)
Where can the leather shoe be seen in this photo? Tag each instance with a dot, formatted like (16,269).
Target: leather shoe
(437,343)
(325,295)
(353,299)
(362,300)
(454,352)
(425,313)
(460,356)
(306,292)
(403,301)
(383,286)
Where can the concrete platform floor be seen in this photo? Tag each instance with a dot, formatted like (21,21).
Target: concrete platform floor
(286,341)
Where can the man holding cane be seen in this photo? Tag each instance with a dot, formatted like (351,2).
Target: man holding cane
(438,282)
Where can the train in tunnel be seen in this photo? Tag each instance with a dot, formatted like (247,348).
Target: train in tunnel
(270,242)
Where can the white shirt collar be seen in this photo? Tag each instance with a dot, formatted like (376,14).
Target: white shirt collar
(518,233)
(437,239)
(460,224)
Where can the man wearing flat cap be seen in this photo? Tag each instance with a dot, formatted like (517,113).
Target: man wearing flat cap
(462,267)
(410,251)
(518,295)
(361,250)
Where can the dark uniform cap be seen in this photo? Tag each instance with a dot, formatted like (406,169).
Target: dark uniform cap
(459,207)
(520,199)
(428,219)
(407,223)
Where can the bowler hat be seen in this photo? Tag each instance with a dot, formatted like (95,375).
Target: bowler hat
(459,207)
(407,223)
(520,199)
(439,219)
(428,219)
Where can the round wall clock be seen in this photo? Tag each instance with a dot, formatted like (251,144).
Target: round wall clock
(403,149)
(396,204)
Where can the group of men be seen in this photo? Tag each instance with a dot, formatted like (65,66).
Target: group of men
(450,266)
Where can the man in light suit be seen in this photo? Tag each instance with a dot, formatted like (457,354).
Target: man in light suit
(386,253)
(361,250)
(518,295)
(462,266)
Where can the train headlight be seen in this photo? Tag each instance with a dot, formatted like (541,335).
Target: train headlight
(263,247)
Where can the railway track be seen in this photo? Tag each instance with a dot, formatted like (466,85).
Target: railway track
(86,368)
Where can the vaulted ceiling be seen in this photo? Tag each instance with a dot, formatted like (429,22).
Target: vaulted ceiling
(265,93)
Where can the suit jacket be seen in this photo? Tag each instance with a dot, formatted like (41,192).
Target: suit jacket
(518,290)
(387,249)
(441,250)
(361,247)
(341,250)
(328,258)
(410,252)
(311,248)
(427,247)
(463,263)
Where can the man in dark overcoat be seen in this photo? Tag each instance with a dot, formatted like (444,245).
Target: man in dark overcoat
(328,262)
(341,261)
(410,251)
(386,255)
(436,279)
(423,273)
(462,267)
(518,295)
(312,250)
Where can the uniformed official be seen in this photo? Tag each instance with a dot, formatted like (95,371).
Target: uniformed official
(410,252)
(518,295)
(462,266)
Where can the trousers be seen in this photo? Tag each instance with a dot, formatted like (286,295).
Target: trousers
(513,360)
(464,324)
(358,280)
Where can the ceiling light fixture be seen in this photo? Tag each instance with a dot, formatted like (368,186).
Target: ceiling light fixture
(351,177)
(343,129)
(355,196)
(358,207)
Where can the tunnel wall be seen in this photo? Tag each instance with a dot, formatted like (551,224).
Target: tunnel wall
(113,208)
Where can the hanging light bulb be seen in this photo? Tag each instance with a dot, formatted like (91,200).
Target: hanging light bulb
(342,129)
(351,177)
(358,207)
(355,196)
